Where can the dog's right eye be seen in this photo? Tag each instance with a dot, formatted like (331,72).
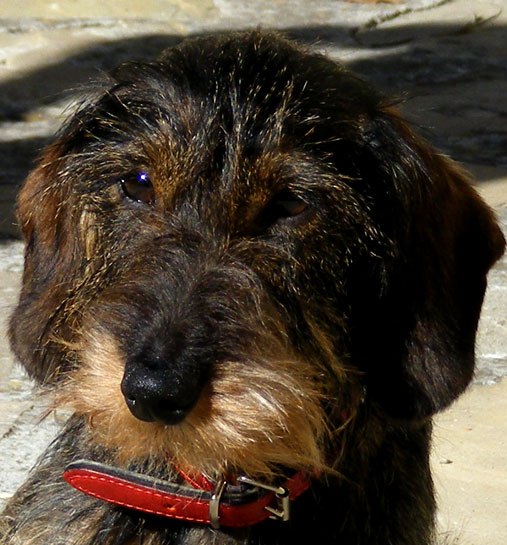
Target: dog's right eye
(286,206)
(138,187)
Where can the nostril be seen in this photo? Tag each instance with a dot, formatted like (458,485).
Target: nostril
(135,397)
(164,413)
(139,409)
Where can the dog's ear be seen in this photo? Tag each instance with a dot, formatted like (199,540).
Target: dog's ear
(44,212)
(40,211)
(418,339)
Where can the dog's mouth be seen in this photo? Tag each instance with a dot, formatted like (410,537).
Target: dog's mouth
(253,415)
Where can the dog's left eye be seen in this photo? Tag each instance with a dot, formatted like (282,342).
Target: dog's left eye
(285,206)
(138,187)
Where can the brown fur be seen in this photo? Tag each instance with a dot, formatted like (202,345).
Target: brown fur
(296,288)
(278,421)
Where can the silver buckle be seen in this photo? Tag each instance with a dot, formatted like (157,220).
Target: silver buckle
(282,512)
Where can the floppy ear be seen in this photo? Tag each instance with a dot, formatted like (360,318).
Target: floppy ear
(420,332)
(45,217)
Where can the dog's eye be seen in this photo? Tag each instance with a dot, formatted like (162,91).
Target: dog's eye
(285,205)
(288,205)
(138,187)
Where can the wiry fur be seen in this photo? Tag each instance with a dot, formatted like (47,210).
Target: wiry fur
(321,337)
(275,422)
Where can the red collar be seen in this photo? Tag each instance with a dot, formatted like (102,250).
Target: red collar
(244,504)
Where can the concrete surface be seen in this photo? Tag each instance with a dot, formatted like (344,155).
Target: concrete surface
(447,61)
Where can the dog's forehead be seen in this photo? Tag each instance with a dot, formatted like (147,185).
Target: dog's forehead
(178,137)
(193,145)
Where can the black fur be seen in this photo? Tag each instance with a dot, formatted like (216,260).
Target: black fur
(388,257)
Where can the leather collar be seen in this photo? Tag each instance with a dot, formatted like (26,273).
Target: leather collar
(244,503)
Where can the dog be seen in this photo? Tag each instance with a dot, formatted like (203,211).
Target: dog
(252,285)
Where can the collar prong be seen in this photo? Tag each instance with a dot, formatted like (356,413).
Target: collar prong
(281,493)
(214,504)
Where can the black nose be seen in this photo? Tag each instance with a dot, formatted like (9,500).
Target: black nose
(165,372)
(152,397)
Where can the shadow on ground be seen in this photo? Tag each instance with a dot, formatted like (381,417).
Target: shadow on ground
(428,74)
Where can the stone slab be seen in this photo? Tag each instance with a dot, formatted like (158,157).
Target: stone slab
(445,59)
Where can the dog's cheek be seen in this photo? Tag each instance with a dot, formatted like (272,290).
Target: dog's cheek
(89,234)
(93,391)
(260,413)
(64,266)
(95,385)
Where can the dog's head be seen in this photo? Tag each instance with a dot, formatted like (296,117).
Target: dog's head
(227,246)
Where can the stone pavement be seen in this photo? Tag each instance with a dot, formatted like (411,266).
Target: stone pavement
(447,60)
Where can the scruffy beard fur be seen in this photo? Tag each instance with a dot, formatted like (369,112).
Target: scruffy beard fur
(254,416)
(245,241)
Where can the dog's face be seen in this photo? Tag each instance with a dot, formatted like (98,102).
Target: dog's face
(230,245)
